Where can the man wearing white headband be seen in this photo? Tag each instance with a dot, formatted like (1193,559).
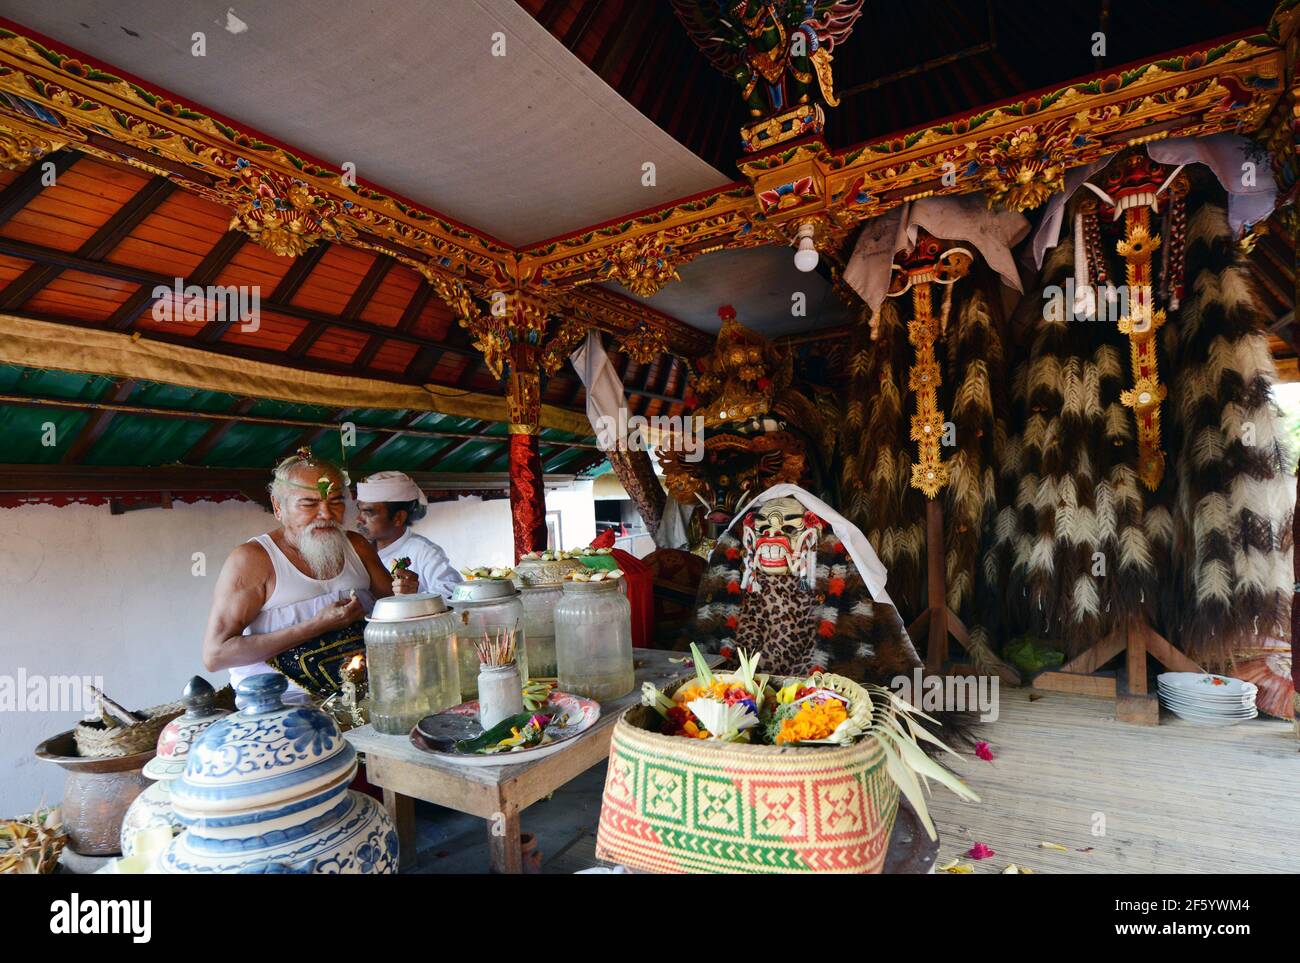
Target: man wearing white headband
(388,502)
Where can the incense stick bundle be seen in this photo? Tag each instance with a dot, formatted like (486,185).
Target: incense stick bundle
(498,651)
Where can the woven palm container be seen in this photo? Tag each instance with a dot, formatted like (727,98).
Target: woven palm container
(677,805)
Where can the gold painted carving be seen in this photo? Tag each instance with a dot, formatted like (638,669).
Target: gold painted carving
(642,266)
(19,149)
(1140,323)
(644,343)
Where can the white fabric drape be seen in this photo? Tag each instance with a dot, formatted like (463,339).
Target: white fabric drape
(966,218)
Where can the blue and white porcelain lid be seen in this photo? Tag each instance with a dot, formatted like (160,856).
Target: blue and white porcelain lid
(264,755)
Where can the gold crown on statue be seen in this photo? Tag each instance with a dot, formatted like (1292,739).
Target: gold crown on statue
(742,376)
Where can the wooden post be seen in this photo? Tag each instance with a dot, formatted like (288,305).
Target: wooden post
(941,620)
(936,653)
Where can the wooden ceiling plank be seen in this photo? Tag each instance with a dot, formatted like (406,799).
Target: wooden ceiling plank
(374,276)
(414,308)
(443,456)
(31,182)
(379,444)
(207,271)
(143,203)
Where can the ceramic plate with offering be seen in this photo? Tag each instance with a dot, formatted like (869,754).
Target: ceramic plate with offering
(455,734)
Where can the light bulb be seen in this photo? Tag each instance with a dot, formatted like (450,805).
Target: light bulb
(806,258)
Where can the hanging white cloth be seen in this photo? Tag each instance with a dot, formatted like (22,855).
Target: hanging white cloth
(965,218)
(604,387)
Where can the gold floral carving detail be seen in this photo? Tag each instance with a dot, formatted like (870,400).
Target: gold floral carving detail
(524,402)
(1140,323)
(644,343)
(1026,166)
(568,334)
(642,266)
(19,149)
(929,471)
(283,215)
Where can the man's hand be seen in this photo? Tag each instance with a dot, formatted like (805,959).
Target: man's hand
(405,582)
(337,615)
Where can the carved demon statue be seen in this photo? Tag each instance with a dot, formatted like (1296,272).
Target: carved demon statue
(759,430)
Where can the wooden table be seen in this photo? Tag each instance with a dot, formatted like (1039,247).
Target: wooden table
(497,793)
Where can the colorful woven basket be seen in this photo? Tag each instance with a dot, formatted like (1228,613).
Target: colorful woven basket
(676,805)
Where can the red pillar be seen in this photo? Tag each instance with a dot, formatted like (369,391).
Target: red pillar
(527,488)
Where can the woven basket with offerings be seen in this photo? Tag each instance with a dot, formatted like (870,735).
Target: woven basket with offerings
(732,775)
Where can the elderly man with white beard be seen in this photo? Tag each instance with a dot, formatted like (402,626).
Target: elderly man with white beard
(294,599)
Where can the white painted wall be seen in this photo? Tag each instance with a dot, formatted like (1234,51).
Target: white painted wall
(86,593)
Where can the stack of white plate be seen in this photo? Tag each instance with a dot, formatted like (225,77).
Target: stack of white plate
(1207,699)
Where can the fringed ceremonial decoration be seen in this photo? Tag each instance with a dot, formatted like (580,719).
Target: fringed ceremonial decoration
(876,491)
(1134,187)
(877,479)
(1087,540)
(1232,501)
(974,367)
(1073,544)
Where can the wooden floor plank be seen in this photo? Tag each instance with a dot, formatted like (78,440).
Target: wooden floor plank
(1177,798)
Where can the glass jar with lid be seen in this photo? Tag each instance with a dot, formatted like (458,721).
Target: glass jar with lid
(593,640)
(540,579)
(410,660)
(486,605)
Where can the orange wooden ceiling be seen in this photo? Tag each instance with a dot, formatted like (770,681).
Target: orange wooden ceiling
(334,309)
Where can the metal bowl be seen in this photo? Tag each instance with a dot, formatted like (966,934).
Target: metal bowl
(403,608)
(483,590)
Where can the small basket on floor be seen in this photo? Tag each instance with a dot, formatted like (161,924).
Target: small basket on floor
(678,805)
(95,740)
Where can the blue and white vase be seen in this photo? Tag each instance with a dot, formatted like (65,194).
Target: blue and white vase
(266,791)
(153,807)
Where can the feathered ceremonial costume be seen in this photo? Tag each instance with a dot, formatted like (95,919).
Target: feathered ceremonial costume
(1127,497)
(879,486)
(797,582)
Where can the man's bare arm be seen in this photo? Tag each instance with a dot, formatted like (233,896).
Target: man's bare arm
(239,597)
(381,581)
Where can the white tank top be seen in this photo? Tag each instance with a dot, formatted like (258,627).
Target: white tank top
(297,597)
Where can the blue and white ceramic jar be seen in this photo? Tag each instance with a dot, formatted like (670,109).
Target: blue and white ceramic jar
(266,791)
(153,807)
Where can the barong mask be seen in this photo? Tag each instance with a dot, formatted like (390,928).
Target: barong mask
(780,538)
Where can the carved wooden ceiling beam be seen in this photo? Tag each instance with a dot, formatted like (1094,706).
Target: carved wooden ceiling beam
(1016,153)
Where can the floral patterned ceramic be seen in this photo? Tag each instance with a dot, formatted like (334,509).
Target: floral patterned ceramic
(153,807)
(178,735)
(266,791)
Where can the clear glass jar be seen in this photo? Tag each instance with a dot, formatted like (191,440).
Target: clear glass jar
(593,640)
(490,615)
(539,627)
(410,661)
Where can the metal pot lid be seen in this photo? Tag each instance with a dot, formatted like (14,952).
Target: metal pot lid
(263,755)
(483,590)
(404,608)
